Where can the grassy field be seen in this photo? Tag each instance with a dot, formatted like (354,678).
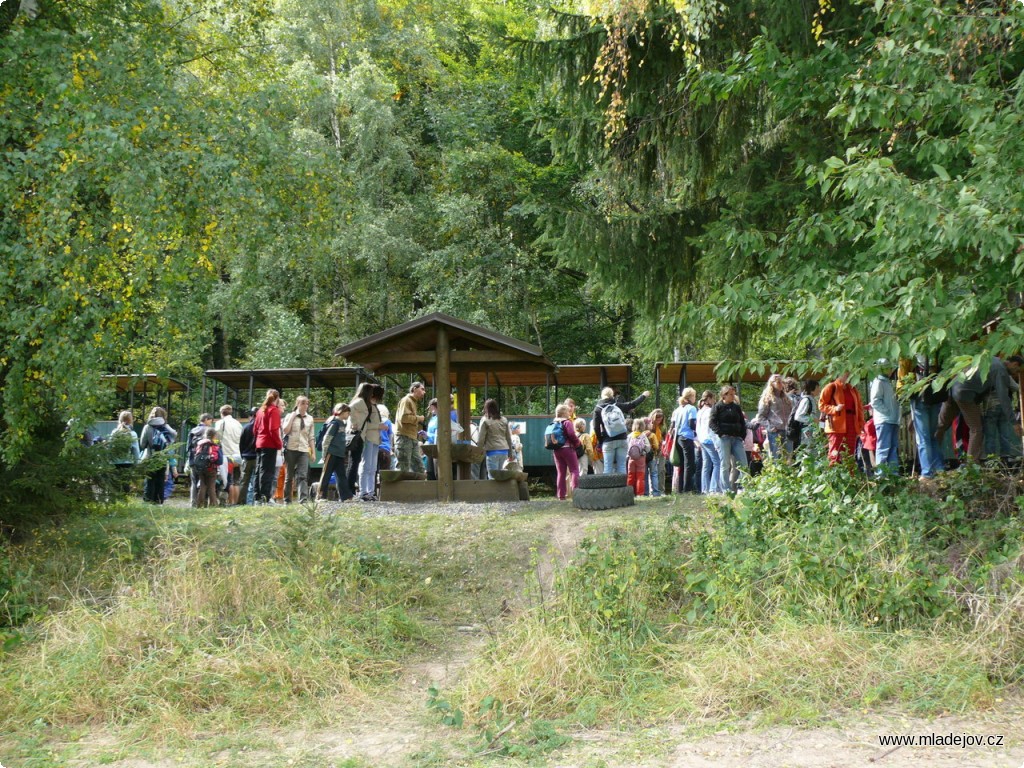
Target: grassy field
(258,636)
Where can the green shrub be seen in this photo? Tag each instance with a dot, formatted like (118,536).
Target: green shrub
(819,542)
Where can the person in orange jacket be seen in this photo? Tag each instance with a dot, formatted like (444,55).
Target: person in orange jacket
(843,410)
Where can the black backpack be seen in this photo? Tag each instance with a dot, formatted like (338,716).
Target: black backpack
(207,458)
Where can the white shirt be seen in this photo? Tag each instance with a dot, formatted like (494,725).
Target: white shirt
(704,424)
(230,430)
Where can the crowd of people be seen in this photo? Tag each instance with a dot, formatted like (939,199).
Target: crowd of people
(707,444)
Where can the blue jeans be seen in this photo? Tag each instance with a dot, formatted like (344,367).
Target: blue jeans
(776,443)
(496,461)
(1000,438)
(614,457)
(711,470)
(887,458)
(655,468)
(929,451)
(731,455)
(368,469)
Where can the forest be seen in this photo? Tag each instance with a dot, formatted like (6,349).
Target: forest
(190,184)
(197,184)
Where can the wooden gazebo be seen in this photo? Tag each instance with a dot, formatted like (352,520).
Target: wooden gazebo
(454,350)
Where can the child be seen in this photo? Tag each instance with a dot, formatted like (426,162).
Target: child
(205,467)
(586,443)
(637,448)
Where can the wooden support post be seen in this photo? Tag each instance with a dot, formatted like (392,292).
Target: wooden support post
(465,416)
(443,386)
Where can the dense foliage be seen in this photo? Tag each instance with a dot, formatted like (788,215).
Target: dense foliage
(625,181)
(841,175)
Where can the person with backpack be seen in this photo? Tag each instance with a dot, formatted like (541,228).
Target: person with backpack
(250,459)
(560,438)
(805,415)
(267,429)
(156,436)
(363,436)
(637,448)
(205,466)
(195,435)
(611,430)
(333,449)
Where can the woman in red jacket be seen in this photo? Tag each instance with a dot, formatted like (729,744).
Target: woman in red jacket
(267,428)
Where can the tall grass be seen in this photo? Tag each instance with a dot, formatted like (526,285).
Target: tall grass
(204,639)
(812,592)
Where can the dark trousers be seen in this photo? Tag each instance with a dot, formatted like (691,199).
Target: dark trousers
(687,482)
(352,480)
(266,473)
(335,465)
(250,467)
(154,489)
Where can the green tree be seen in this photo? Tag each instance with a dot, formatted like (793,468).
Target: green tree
(835,175)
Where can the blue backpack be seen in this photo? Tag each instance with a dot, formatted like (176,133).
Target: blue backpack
(554,435)
(159,438)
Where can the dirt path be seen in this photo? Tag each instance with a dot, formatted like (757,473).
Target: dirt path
(397,731)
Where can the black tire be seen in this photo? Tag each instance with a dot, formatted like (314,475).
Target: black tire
(602,481)
(603,498)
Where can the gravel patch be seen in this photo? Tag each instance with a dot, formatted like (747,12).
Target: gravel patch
(455,508)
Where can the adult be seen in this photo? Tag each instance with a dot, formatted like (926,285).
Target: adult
(773,412)
(609,424)
(229,429)
(684,424)
(363,436)
(195,435)
(409,423)
(729,423)
(334,453)
(155,437)
(267,429)
(250,459)
(843,410)
(125,442)
(885,413)
(805,418)
(968,392)
(495,437)
(1000,438)
(567,468)
(925,406)
(656,464)
(299,436)
(711,470)
(125,445)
